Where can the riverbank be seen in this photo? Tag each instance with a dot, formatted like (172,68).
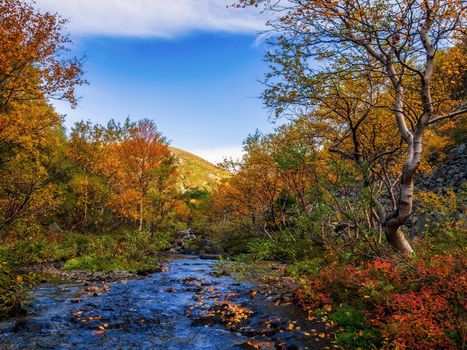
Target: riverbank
(74,256)
(54,270)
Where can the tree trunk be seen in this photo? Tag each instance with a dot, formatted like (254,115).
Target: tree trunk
(393,223)
(397,240)
(141,214)
(86,198)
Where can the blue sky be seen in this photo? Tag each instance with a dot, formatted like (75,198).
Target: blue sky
(196,77)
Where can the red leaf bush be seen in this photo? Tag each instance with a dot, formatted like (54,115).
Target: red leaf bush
(416,304)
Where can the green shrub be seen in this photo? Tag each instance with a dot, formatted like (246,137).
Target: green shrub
(109,263)
(13,290)
(356,334)
(144,243)
(144,264)
(104,263)
(263,249)
(134,250)
(28,251)
(285,247)
(305,267)
(237,243)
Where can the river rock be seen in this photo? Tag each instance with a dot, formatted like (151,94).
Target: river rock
(247,331)
(210,256)
(258,345)
(190,243)
(287,298)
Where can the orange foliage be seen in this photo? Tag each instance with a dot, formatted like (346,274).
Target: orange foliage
(30,63)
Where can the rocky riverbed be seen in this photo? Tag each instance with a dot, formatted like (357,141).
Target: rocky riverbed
(186,306)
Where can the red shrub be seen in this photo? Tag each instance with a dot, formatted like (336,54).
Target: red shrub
(416,305)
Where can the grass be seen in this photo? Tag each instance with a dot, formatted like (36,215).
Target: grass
(196,172)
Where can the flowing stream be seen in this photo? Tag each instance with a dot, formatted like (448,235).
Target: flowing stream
(155,312)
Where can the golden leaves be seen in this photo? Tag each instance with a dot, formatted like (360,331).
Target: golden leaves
(96,289)
(229,313)
(30,66)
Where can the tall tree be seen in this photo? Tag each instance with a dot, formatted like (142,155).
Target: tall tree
(146,160)
(88,151)
(30,140)
(33,67)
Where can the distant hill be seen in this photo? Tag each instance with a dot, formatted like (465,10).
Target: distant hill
(196,171)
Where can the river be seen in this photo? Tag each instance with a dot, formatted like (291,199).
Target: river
(156,312)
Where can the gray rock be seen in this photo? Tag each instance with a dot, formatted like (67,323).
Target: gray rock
(210,256)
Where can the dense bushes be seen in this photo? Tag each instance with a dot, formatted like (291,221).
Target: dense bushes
(133,251)
(376,297)
(95,252)
(403,304)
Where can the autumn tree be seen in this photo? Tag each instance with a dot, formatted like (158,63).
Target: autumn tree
(87,151)
(33,67)
(450,82)
(395,42)
(347,120)
(33,64)
(259,183)
(147,164)
(116,174)
(30,139)
(270,184)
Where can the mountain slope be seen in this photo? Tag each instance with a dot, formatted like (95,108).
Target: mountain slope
(196,171)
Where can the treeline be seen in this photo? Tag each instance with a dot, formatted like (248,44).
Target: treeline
(96,179)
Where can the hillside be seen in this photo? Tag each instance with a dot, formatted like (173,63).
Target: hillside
(196,171)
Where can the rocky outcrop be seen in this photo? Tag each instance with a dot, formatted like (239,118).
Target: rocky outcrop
(450,174)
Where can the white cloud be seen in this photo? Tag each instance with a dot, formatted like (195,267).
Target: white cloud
(217,155)
(153,18)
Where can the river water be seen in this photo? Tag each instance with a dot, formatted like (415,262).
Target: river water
(155,312)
